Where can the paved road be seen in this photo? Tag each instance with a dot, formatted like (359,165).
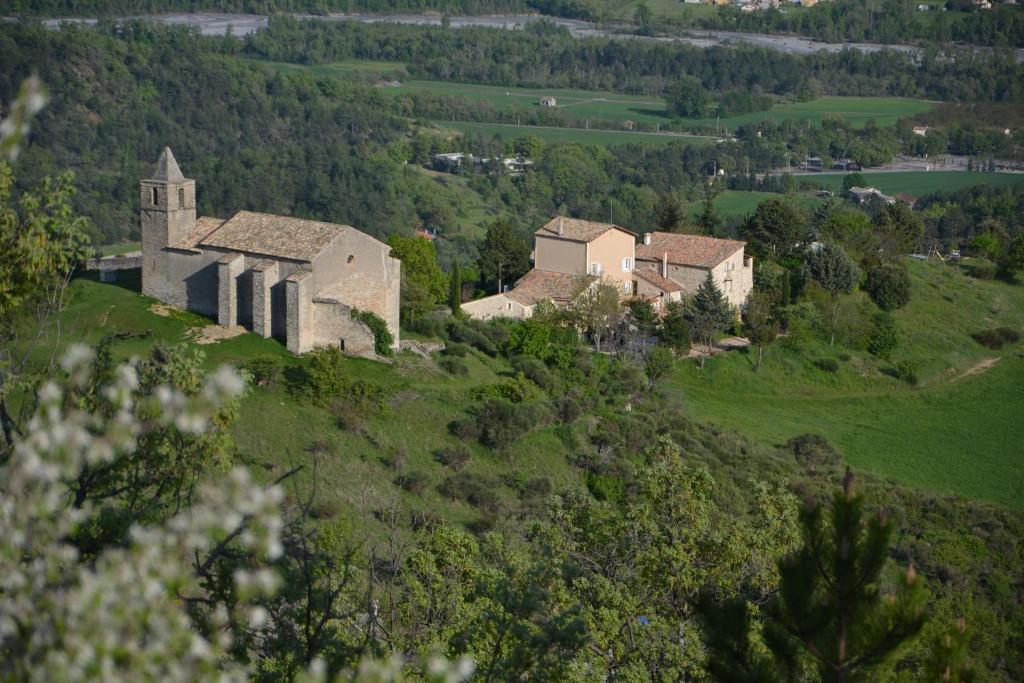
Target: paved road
(243,24)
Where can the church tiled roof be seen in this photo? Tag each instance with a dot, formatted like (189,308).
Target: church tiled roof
(204,226)
(279,236)
(688,250)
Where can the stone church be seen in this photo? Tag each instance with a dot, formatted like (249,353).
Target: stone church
(292,279)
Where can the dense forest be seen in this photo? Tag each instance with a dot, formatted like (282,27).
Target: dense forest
(58,8)
(547,56)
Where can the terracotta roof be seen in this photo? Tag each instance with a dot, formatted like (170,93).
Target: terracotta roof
(906,198)
(576,229)
(662,283)
(280,236)
(204,226)
(688,250)
(538,285)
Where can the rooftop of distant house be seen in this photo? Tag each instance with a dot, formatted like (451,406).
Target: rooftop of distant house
(577,230)
(687,250)
(538,285)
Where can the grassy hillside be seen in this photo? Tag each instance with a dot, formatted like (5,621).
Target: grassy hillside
(363,457)
(959,430)
(966,550)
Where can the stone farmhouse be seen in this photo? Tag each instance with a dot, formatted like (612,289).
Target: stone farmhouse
(571,255)
(292,279)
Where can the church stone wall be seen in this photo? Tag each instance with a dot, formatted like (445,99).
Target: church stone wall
(357,252)
(333,326)
(190,282)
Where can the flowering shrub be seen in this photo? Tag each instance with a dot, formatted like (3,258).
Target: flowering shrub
(121,616)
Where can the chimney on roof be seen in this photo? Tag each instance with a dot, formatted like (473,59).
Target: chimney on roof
(559,225)
(647,238)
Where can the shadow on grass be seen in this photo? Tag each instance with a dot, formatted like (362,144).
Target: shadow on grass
(656,113)
(130,279)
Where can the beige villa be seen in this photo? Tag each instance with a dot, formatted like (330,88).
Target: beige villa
(571,254)
(292,279)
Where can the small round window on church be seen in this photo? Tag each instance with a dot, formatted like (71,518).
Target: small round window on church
(351,258)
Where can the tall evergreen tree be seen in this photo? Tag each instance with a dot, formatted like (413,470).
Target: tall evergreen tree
(670,212)
(709,222)
(831,611)
(775,228)
(708,313)
(835,272)
(758,325)
(455,290)
(504,256)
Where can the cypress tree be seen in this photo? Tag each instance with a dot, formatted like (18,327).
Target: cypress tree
(455,290)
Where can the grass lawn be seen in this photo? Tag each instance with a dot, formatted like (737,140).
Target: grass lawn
(343,68)
(570,135)
(118,248)
(954,432)
(920,183)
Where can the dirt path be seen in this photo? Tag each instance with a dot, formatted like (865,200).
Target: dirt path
(211,334)
(978,368)
(162,310)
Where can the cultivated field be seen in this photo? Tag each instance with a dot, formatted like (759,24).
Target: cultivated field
(610,106)
(855,110)
(742,202)
(920,183)
(580,135)
(651,109)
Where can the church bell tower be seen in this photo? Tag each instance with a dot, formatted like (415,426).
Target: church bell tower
(168,202)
